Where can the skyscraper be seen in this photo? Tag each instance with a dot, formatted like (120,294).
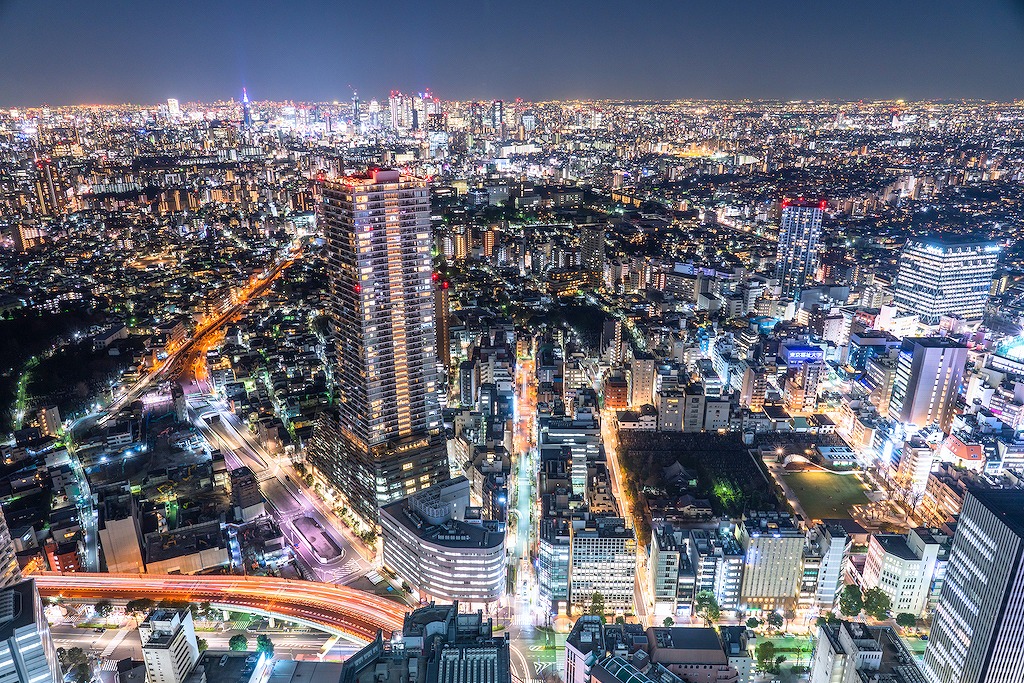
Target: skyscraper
(976,636)
(592,252)
(799,231)
(498,117)
(945,276)
(929,372)
(27,652)
(442,313)
(10,570)
(246,110)
(385,441)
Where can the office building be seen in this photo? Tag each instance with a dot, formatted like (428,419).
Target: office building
(437,644)
(717,560)
(173,109)
(246,496)
(914,468)
(929,373)
(385,440)
(903,567)
(553,565)
(169,646)
(120,531)
(799,231)
(852,652)
(627,653)
(441,547)
(442,318)
(945,277)
(27,652)
(773,549)
(246,110)
(10,571)
(602,559)
(976,635)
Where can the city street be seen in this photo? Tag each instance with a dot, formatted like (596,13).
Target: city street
(288,498)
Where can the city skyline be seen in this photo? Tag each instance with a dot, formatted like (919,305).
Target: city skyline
(311,51)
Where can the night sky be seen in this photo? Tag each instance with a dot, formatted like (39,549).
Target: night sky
(144,51)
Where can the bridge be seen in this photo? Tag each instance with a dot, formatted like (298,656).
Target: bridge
(338,610)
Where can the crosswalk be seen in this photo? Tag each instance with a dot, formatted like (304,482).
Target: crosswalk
(115,641)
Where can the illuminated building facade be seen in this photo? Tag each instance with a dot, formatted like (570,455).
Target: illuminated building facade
(940,277)
(929,373)
(976,634)
(799,232)
(385,440)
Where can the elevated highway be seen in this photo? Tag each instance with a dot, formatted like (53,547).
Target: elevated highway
(338,610)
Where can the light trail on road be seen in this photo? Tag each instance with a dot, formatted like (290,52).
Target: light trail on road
(336,609)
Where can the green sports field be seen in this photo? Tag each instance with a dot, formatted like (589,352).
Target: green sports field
(824,495)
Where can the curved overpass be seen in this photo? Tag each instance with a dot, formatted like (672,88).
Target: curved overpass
(339,610)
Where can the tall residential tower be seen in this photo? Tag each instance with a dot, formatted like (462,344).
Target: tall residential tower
(799,232)
(385,441)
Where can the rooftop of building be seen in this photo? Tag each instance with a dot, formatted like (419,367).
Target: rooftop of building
(686,642)
(186,541)
(291,671)
(1006,504)
(896,545)
(17,607)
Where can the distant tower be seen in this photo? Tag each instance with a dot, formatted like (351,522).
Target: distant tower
(799,232)
(356,116)
(498,117)
(246,110)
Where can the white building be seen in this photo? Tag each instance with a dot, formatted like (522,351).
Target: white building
(717,560)
(441,547)
(169,646)
(929,373)
(773,564)
(27,653)
(915,466)
(940,277)
(851,652)
(602,559)
(903,568)
(833,544)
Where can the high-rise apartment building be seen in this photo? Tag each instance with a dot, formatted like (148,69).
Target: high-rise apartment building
(976,636)
(929,373)
(592,252)
(385,441)
(945,276)
(27,652)
(799,231)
